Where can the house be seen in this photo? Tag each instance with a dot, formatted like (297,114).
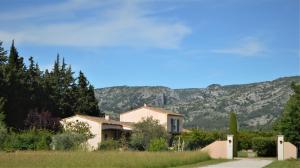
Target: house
(173,122)
(104,128)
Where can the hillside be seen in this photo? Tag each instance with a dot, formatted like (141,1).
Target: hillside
(257,104)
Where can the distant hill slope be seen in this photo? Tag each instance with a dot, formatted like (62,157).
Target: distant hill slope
(257,104)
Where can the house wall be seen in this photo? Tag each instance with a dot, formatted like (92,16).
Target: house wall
(143,113)
(175,117)
(290,151)
(96,129)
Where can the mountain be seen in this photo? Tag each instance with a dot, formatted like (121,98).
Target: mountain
(257,104)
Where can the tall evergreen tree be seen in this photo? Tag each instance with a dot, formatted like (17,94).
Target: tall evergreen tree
(55,92)
(3,56)
(233,127)
(16,94)
(60,84)
(86,101)
(3,61)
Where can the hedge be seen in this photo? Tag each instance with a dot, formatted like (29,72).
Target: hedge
(264,146)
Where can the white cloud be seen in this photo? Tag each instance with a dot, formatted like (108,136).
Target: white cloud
(246,47)
(124,24)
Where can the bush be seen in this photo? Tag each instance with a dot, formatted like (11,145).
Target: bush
(3,135)
(79,127)
(109,145)
(68,141)
(144,132)
(199,138)
(245,138)
(158,144)
(264,146)
(28,140)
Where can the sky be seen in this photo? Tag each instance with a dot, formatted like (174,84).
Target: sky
(173,43)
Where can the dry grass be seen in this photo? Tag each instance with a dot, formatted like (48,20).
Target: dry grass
(53,159)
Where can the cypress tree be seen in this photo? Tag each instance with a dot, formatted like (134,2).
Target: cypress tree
(234,131)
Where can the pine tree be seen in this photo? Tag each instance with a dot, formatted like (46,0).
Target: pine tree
(86,101)
(3,56)
(3,60)
(16,93)
(233,130)
(60,84)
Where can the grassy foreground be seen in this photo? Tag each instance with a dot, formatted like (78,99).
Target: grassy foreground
(284,164)
(53,159)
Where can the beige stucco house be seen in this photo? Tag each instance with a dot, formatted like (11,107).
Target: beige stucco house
(101,128)
(104,128)
(173,122)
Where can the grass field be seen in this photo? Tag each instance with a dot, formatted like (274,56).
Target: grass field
(285,164)
(53,159)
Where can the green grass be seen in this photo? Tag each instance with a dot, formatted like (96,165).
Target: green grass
(54,159)
(284,164)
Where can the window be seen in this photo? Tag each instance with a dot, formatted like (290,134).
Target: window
(174,125)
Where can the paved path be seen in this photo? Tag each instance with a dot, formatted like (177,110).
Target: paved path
(242,163)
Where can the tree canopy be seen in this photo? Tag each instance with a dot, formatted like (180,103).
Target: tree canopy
(289,123)
(56,91)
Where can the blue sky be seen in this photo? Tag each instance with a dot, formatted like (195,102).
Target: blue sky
(174,43)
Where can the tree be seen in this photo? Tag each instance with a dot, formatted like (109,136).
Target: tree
(146,131)
(47,95)
(16,92)
(288,124)
(3,131)
(86,101)
(234,131)
(42,120)
(3,60)
(3,56)
(79,127)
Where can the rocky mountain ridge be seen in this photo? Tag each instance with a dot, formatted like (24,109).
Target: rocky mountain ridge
(257,104)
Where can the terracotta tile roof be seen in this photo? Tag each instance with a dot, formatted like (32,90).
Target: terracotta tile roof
(156,109)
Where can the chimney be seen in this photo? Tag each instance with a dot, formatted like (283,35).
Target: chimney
(106,117)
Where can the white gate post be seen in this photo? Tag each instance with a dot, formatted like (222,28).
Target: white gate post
(229,146)
(280,142)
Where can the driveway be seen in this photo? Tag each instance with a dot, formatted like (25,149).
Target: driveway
(242,163)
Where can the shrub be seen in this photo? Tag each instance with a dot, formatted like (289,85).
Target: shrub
(158,144)
(109,145)
(82,128)
(68,141)
(42,120)
(245,138)
(3,130)
(264,146)
(3,135)
(199,138)
(28,140)
(144,132)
